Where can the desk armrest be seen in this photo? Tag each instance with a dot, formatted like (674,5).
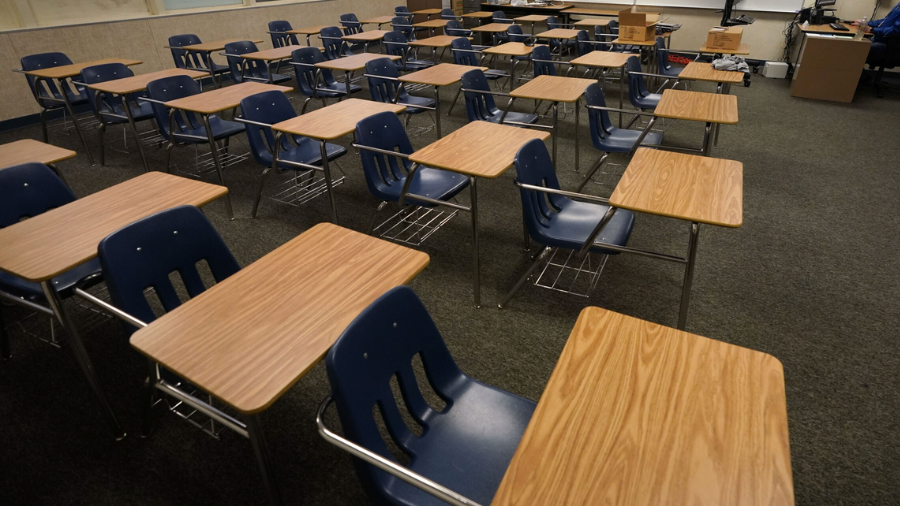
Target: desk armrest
(379,150)
(485,92)
(613,109)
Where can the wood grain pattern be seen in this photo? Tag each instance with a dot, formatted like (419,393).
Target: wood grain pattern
(309,30)
(479,149)
(697,71)
(480,14)
(698,106)
(139,83)
(578,11)
(443,74)
(30,150)
(553,88)
(639,414)
(604,59)
(531,18)
(491,27)
(437,41)
(380,20)
(558,33)
(66,71)
(49,244)
(427,12)
(249,338)
(216,45)
(827,29)
(369,36)
(592,22)
(355,62)
(433,23)
(687,187)
(278,53)
(636,42)
(335,120)
(510,49)
(743,49)
(211,102)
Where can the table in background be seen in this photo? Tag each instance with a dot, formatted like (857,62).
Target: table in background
(350,64)
(47,245)
(481,16)
(607,60)
(439,41)
(493,29)
(531,18)
(478,149)
(277,54)
(245,342)
(443,74)
(365,37)
(511,49)
(307,31)
(208,48)
(591,22)
(379,20)
(432,25)
(329,123)
(30,150)
(560,34)
(427,12)
(640,414)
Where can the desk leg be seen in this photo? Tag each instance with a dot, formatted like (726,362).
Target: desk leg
(706,148)
(347,83)
(81,356)
(577,123)
(644,133)
(212,73)
(476,267)
(261,449)
(726,89)
(137,139)
(688,275)
(555,129)
(437,111)
(215,156)
(63,87)
(512,73)
(323,150)
(621,92)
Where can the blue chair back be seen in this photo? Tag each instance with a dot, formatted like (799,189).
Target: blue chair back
(268,107)
(463,57)
(30,189)
(281,39)
(171,88)
(540,55)
(516,34)
(401,24)
(599,120)
(384,90)
(636,89)
(49,88)
(351,24)
(552,23)
(186,59)
(395,44)
(599,32)
(102,73)
(582,46)
(334,46)
(613,26)
(448,14)
(143,254)
(251,68)
(383,131)
(500,17)
(664,67)
(306,75)
(479,106)
(455,29)
(534,167)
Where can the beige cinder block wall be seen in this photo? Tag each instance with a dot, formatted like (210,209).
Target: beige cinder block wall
(143,39)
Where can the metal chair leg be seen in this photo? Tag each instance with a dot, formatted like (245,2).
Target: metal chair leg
(147,398)
(540,258)
(590,173)
(262,182)
(169,147)
(375,216)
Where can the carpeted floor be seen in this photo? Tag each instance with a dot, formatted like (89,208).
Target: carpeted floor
(810,278)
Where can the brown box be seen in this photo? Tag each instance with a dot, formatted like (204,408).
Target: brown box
(725,38)
(634,27)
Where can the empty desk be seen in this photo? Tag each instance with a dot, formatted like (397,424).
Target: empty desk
(712,109)
(209,48)
(444,74)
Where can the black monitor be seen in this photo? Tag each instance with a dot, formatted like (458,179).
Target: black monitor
(825,3)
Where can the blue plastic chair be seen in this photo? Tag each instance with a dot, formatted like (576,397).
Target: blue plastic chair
(500,17)
(277,31)
(194,60)
(542,61)
(28,190)
(454,28)
(637,92)
(45,91)
(556,221)
(466,446)
(188,128)
(249,70)
(559,44)
(664,66)
(605,136)
(481,106)
(465,54)
(402,25)
(395,44)
(384,87)
(304,61)
(449,14)
(402,10)
(266,109)
(334,45)
(351,24)
(109,110)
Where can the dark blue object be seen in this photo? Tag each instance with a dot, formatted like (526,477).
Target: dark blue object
(582,44)
(305,73)
(500,17)
(448,14)
(351,24)
(403,25)
(277,30)
(396,44)
(665,67)
(542,61)
(637,93)
(196,60)
(465,447)
(558,221)
(249,70)
(45,91)
(604,135)
(335,47)
(464,54)
(558,44)
(110,109)
(481,106)
(386,175)
(454,28)
(388,89)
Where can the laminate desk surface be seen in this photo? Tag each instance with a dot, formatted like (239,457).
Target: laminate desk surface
(640,414)
(481,14)
(743,49)
(427,12)
(437,41)
(604,59)
(558,33)
(549,8)
(433,23)
(510,49)
(443,74)
(30,150)
(47,245)
(633,43)
(531,18)
(211,102)
(827,29)
(309,30)
(697,71)
(134,84)
(688,187)
(479,149)
(355,62)
(216,45)
(591,12)
(369,36)
(249,338)
(335,120)
(380,20)
(74,69)
(553,88)
(592,22)
(491,27)
(277,53)
(698,106)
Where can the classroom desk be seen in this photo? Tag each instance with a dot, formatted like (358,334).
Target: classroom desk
(432,25)
(214,101)
(269,55)
(578,11)
(493,29)
(823,30)
(209,48)
(641,414)
(222,343)
(350,64)
(30,150)
(378,20)
(439,41)
(609,60)
(546,10)
(554,89)
(591,22)
(43,247)
(478,149)
(511,49)
(443,74)
(829,68)
(365,37)
(325,124)
(427,12)
(531,18)
(710,108)
(134,84)
(698,71)
(309,30)
(61,74)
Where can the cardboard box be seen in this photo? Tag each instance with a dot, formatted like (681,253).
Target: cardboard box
(635,27)
(725,38)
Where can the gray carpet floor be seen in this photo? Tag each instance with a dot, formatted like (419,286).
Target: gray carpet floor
(810,278)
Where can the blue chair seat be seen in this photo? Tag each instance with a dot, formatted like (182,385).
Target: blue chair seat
(338,89)
(63,283)
(220,128)
(413,101)
(434,183)
(571,226)
(621,140)
(280,78)
(519,117)
(143,112)
(648,101)
(307,151)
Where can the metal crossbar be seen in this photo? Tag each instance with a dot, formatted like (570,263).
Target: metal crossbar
(303,187)
(565,272)
(413,225)
(204,163)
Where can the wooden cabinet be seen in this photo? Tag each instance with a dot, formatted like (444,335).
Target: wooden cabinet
(829,68)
